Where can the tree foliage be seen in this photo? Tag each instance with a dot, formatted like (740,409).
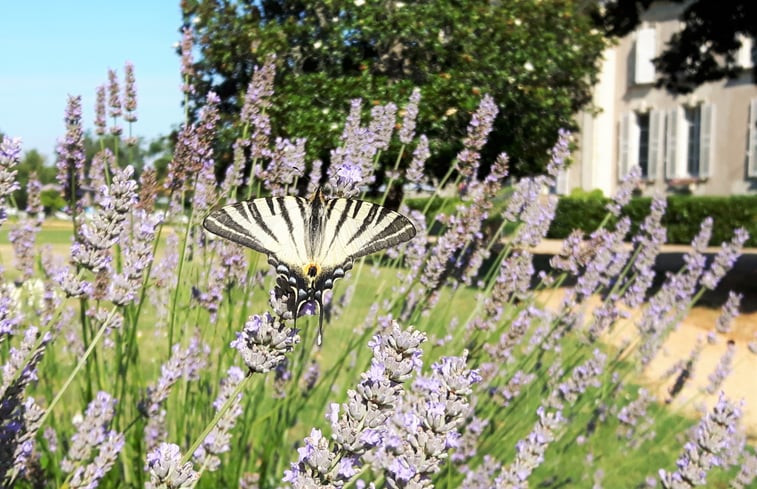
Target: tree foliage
(538,59)
(704,50)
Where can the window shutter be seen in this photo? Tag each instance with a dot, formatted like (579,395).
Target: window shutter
(671,140)
(656,139)
(706,143)
(645,51)
(745,54)
(623,142)
(752,155)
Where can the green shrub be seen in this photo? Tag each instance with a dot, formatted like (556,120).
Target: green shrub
(682,218)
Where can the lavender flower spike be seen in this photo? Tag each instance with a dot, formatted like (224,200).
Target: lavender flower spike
(623,193)
(704,451)
(407,131)
(10,157)
(263,342)
(163,463)
(480,126)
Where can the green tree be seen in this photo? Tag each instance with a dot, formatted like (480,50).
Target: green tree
(704,50)
(32,162)
(537,58)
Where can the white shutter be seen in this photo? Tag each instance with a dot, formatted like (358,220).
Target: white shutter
(645,51)
(745,56)
(671,140)
(706,143)
(752,155)
(656,139)
(623,144)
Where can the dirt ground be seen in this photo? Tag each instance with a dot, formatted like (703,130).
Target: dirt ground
(742,382)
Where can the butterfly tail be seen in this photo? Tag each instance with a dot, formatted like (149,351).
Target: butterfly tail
(319,340)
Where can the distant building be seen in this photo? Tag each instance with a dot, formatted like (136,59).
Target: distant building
(703,143)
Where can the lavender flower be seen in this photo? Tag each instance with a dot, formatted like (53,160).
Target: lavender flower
(633,417)
(530,451)
(218,440)
(648,243)
(414,172)
(287,164)
(20,423)
(88,477)
(704,450)
(623,194)
(730,311)
(70,151)
(582,376)
(747,473)
(426,423)
(264,341)
(725,259)
(360,423)
(407,131)
(163,463)
(257,102)
(187,62)
(10,157)
(130,93)
(194,147)
(114,102)
(382,124)
(314,180)
(100,123)
(102,164)
(536,218)
(723,368)
(559,153)
(92,432)
(137,256)
(183,363)
(479,128)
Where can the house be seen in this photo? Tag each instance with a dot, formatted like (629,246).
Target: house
(703,143)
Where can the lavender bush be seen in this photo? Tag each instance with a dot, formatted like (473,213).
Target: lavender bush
(152,354)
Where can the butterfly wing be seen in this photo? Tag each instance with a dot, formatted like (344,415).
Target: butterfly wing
(274,226)
(355,228)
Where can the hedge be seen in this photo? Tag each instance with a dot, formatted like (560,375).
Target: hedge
(682,218)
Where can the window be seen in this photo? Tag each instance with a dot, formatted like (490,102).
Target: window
(746,53)
(642,121)
(752,132)
(640,138)
(644,52)
(693,118)
(688,141)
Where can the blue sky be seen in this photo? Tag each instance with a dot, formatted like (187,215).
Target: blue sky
(54,48)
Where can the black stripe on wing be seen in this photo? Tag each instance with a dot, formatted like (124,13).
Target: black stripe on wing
(378,228)
(240,223)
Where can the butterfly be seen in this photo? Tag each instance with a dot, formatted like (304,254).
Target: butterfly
(310,242)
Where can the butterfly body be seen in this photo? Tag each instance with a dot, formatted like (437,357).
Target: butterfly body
(310,242)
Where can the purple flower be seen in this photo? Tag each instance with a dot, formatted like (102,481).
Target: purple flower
(414,172)
(10,157)
(480,126)
(264,341)
(559,153)
(723,368)
(92,431)
(187,62)
(164,465)
(704,450)
(130,93)
(114,102)
(100,123)
(623,194)
(314,179)
(257,102)
(407,131)
(70,150)
(530,450)
(729,312)
(725,259)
